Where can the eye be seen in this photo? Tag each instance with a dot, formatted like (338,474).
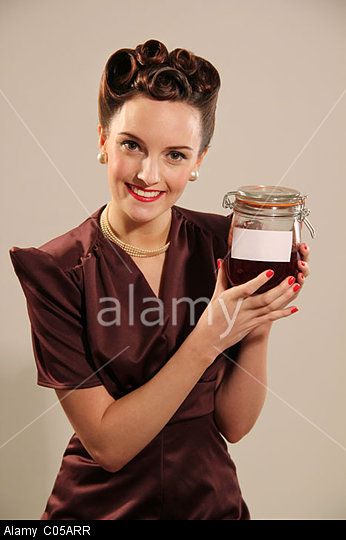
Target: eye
(179,154)
(129,143)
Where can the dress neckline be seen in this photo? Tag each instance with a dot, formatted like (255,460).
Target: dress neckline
(124,258)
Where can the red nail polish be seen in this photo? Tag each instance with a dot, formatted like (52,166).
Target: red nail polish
(296,288)
(219,263)
(305,246)
(291,280)
(270,273)
(302,263)
(294,309)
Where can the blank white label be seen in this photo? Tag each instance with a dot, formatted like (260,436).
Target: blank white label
(254,245)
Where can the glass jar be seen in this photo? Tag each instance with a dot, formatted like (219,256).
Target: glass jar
(265,233)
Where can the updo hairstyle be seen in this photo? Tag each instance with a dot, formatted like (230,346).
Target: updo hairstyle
(151,71)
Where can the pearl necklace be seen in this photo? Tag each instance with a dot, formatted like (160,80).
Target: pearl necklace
(131,250)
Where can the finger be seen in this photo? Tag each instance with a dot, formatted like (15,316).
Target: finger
(266,298)
(304,251)
(300,278)
(304,268)
(221,279)
(251,286)
(282,301)
(275,315)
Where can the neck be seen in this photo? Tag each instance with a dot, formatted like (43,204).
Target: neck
(150,235)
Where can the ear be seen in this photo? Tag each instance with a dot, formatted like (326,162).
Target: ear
(102,135)
(202,156)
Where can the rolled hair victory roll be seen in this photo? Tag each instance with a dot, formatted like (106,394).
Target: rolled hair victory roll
(152,71)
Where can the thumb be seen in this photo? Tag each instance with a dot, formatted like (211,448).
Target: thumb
(221,280)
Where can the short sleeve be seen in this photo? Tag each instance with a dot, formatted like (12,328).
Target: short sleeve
(58,335)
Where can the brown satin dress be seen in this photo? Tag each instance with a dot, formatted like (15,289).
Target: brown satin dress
(185,472)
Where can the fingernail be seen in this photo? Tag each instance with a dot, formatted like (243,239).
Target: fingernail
(302,263)
(305,246)
(291,280)
(296,288)
(294,309)
(219,263)
(270,273)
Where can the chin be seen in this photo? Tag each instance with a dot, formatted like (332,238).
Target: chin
(143,214)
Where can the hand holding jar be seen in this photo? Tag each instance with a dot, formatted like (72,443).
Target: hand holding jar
(234,312)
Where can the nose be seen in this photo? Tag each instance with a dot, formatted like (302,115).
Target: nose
(149,173)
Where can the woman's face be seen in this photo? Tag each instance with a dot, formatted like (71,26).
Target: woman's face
(150,156)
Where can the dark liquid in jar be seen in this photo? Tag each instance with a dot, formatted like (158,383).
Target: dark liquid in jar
(241,270)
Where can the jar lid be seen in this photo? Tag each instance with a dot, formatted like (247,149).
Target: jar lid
(269,195)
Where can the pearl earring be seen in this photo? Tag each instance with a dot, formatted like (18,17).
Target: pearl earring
(194,176)
(102,157)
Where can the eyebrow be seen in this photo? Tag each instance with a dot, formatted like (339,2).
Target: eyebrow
(139,139)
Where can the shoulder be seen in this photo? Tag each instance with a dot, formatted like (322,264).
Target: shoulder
(211,223)
(66,250)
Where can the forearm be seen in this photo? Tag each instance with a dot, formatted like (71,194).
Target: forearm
(241,394)
(132,421)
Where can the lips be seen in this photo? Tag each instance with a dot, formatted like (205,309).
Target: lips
(139,187)
(143,198)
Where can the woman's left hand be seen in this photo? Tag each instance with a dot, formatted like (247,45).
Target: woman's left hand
(303,267)
(263,330)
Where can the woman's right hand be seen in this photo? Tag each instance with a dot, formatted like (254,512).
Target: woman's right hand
(233,312)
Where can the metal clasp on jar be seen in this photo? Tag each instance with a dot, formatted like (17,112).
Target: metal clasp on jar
(226,203)
(302,216)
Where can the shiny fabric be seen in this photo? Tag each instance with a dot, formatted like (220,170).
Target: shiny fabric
(185,472)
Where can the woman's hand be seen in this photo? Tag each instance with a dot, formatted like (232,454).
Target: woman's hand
(233,313)
(303,272)
(303,266)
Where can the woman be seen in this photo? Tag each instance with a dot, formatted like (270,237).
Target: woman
(120,305)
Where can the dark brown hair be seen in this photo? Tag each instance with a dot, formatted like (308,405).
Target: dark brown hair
(151,71)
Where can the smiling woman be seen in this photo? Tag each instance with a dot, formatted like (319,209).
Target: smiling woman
(156,120)
(148,168)
(138,385)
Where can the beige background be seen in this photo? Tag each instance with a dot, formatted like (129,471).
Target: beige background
(281,117)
